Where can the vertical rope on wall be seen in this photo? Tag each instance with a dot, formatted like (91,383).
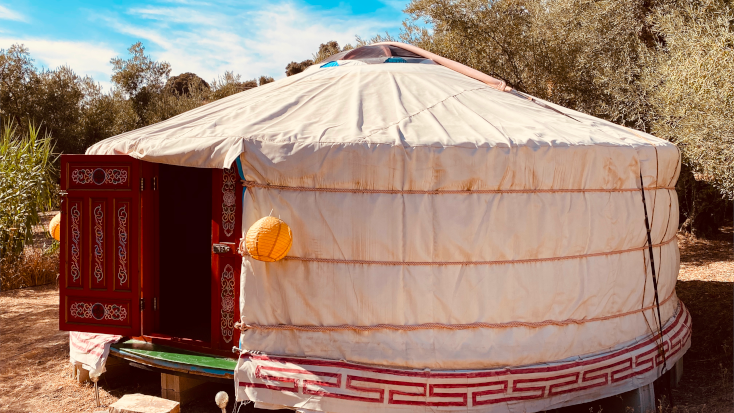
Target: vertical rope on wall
(652,267)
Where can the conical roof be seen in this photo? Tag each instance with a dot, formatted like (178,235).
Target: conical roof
(417,112)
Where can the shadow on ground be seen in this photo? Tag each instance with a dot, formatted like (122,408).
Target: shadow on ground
(707,379)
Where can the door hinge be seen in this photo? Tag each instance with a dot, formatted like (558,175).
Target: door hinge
(154,183)
(155,304)
(62,196)
(142,304)
(142,184)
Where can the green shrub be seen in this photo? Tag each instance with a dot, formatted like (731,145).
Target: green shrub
(27,186)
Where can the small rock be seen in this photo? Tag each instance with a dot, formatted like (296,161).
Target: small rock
(140,403)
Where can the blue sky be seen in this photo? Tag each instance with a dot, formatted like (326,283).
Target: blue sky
(251,37)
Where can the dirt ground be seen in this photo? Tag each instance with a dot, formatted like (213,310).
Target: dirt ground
(706,286)
(35,372)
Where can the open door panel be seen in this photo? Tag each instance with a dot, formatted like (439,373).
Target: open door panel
(100,239)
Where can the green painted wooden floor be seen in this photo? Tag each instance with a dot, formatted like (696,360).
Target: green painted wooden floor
(164,357)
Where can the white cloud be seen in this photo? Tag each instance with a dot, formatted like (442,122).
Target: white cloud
(7,14)
(83,57)
(250,39)
(177,15)
(260,40)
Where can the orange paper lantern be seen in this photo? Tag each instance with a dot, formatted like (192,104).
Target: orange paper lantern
(54,227)
(269,239)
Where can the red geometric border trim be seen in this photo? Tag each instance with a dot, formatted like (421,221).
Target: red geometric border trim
(302,378)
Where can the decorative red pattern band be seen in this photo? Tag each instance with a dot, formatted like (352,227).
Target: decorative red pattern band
(98,311)
(122,235)
(98,280)
(228,200)
(227,297)
(99,176)
(341,386)
(75,247)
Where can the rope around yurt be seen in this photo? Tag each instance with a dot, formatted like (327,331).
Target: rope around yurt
(442,326)
(652,267)
(245,251)
(251,184)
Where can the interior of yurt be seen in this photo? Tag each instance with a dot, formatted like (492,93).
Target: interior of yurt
(388,230)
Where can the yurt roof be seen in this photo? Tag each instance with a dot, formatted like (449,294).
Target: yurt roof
(431,103)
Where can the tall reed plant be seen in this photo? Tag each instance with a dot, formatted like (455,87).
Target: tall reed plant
(27,186)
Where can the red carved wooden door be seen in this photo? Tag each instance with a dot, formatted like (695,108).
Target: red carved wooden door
(226,263)
(100,237)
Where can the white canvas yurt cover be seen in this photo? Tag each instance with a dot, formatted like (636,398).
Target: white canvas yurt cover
(457,245)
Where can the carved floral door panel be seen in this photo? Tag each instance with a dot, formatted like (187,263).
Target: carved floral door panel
(99,274)
(226,263)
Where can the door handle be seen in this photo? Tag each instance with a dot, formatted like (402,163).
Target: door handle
(221,248)
(228,249)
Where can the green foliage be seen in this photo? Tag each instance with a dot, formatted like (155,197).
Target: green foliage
(263,80)
(141,79)
(701,205)
(169,103)
(181,84)
(378,38)
(59,100)
(326,50)
(294,68)
(26,188)
(77,113)
(229,84)
(583,55)
(19,80)
(104,115)
(694,90)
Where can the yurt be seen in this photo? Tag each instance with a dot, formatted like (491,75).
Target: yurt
(452,244)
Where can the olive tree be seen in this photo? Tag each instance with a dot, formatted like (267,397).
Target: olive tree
(694,90)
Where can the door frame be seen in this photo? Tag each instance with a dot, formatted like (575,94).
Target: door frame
(150,242)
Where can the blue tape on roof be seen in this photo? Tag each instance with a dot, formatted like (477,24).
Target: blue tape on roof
(395,60)
(331,64)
